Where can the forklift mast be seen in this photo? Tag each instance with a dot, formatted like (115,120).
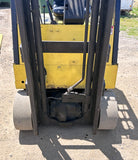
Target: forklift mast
(86,96)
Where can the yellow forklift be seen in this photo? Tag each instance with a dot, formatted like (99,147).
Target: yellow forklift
(65,64)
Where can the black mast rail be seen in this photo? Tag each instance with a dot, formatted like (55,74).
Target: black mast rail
(106,15)
(116,32)
(28,58)
(14,33)
(91,48)
(30,33)
(38,44)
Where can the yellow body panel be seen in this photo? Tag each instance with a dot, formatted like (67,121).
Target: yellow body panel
(1,36)
(53,78)
(64,69)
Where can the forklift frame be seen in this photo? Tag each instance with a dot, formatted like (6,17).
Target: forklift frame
(33,47)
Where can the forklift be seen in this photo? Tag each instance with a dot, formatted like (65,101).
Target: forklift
(65,63)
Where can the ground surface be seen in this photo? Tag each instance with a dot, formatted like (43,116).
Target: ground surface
(57,143)
(129,21)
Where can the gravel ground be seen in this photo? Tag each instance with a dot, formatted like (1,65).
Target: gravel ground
(58,143)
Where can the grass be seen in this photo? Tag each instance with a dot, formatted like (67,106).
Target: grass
(129,22)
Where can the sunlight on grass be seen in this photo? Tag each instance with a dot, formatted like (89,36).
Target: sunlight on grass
(129,22)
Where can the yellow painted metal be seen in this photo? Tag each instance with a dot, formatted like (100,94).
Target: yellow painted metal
(64,69)
(63,32)
(1,36)
(19,43)
(20,75)
(111,43)
(61,71)
(110,76)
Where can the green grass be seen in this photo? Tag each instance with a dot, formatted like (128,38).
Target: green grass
(129,22)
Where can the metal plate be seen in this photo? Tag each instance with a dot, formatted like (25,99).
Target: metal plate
(63,47)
